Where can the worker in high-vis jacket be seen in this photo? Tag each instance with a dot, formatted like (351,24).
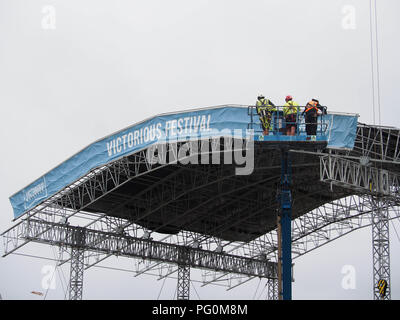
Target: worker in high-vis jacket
(290,110)
(311,112)
(265,109)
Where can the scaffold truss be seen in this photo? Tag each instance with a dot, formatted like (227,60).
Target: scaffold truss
(345,200)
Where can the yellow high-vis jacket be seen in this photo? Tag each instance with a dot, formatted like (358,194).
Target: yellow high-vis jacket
(290,107)
(265,104)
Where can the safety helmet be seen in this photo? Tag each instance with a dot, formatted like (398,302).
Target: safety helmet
(288,98)
(260,96)
(312,103)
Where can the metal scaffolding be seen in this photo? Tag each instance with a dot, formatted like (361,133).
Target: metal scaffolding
(363,178)
(272,289)
(347,193)
(77,263)
(383,187)
(76,273)
(123,245)
(183,285)
(380,251)
(285,228)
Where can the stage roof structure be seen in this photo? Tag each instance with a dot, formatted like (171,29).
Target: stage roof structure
(199,188)
(172,196)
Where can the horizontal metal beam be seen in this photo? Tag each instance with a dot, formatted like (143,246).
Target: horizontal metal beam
(122,245)
(360,178)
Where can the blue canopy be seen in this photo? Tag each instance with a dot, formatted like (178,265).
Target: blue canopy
(200,123)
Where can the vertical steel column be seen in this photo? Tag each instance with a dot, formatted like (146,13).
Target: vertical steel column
(77,264)
(183,289)
(272,287)
(285,202)
(279,236)
(380,250)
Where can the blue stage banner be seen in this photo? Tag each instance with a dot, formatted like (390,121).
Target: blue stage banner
(342,131)
(202,123)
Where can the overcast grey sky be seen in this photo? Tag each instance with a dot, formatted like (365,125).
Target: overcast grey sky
(100,66)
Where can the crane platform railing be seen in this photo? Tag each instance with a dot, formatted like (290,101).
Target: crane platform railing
(279,123)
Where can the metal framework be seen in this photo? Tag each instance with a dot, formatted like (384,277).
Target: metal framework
(183,287)
(380,251)
(362,178)
(382,185)
(76,273)
(345,200)
(272,289)
(77,264)
(123,245)
(285,228)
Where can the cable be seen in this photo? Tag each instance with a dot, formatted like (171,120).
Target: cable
(394,227)
(173,298)
(61,271)
(158,297)
(377,63)
(373,19)
(195,289)
(256,289)
(262,291)
(52,276)
(65,295)
(57,268)
(372,61)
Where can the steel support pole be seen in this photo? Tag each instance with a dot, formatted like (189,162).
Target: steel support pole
(77,264)
(380,250)
(285,202)
(279,236)
(272,287)
(183,289)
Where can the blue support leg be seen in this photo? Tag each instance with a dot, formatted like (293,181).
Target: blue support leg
(286,256)
(286,226)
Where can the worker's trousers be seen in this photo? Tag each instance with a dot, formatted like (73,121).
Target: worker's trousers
(311,126)
(265,119)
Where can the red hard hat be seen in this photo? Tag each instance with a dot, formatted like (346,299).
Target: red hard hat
(288,98)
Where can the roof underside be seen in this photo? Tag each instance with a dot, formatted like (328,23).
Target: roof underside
(213,201)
